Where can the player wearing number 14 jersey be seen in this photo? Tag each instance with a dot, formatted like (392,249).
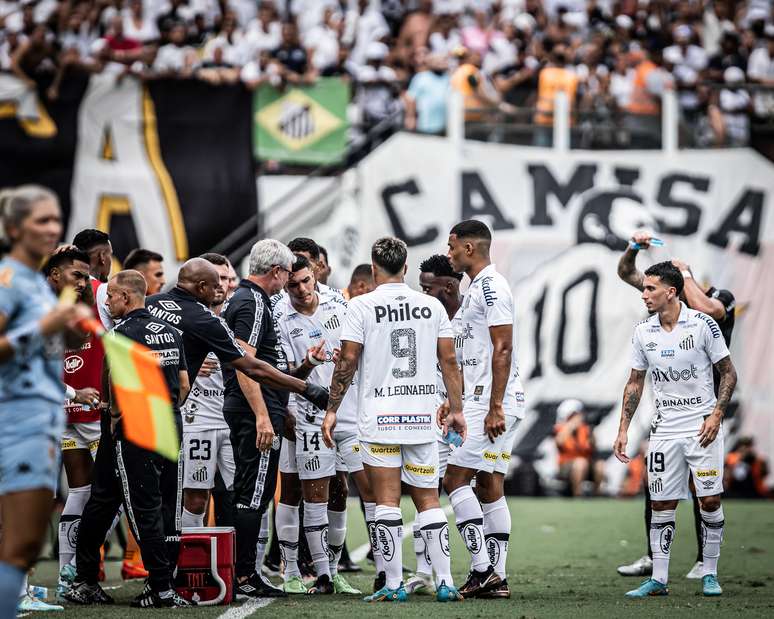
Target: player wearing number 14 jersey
(679,347)
(393,337)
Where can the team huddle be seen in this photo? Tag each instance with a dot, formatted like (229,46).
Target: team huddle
(279,377)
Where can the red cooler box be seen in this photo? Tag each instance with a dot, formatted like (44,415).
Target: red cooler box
(205,567)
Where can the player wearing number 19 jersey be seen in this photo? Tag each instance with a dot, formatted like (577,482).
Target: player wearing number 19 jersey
(494,406)
(393,337)
(679,346)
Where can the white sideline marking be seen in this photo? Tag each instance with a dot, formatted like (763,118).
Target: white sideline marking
(246,609)
(359,553)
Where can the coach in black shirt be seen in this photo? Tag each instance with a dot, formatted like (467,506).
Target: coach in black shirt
(146,483)
(256,415)
(187,308)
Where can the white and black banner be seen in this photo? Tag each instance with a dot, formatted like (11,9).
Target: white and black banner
(560,224)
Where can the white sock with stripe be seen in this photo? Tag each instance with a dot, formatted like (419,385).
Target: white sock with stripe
(370,516)
(435,531)
(69,523)
(286,520)
(389,537)
(337,534)
(316,532)
(497,533)
(420,550)
(662,536)
(470,524)
(712,534)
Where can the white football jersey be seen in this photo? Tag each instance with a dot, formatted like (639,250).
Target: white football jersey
(298,333)
(203,409)
(456,324)
(680,364)
(488,303)
(399,329)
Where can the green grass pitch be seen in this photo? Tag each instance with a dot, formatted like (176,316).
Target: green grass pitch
(561,563)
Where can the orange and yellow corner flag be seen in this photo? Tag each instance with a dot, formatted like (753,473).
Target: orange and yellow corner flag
(141,391)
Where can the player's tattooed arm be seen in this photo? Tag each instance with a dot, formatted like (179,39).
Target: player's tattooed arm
(628,271)
(711,425)
(631,399)
(345,370)
(346,366)
(727,371)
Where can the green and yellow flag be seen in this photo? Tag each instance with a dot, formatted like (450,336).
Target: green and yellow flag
(302,124)
(141,391)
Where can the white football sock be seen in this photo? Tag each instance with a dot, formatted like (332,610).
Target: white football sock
(189,519)
(435,531)
(497,533)
(24,586)
(337,534)
(69,523)
(470,524)
(420,550)
(286,521)
(263,541)
(316,532)
(389,537)
(712,533)
(662,536)
(370,516)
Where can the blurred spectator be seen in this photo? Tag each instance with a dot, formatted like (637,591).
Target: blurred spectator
(555,77)
(427,96)
(137,26)
(760,69)
(175,57)
(728,55)
(322,42)
(575,444)
(293,57)
(477,90)
(636,475)
(415,30)
(745,472)
(734,107)
(377,88)
(643,113)
(265,32)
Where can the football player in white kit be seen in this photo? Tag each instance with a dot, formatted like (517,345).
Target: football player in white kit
(439,280)
(394,337)
(679,346)
(312,321)
(206,440)
(494,406)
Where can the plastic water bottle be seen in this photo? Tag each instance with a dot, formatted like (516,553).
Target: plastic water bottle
(453,438)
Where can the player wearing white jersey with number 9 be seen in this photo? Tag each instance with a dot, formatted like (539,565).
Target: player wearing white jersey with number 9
(394,337)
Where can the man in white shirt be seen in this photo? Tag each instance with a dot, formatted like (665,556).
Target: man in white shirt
(679,346)
(310,322)
(394,337)
(494,407)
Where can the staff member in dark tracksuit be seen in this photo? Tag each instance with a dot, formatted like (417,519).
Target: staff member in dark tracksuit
(145,482)
(256,415)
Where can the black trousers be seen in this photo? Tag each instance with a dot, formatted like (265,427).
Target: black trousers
(149,487)
(255,481)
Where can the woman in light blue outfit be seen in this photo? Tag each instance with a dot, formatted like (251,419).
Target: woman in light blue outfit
(33,328)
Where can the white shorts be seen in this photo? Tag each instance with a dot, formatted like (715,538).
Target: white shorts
(418,464)
(316,461)
(444,451)
(287,462)
(81,436)
(204,453)
(670,461)
(478,452)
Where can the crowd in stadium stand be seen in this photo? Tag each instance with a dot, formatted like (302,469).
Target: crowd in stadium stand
(609,56)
